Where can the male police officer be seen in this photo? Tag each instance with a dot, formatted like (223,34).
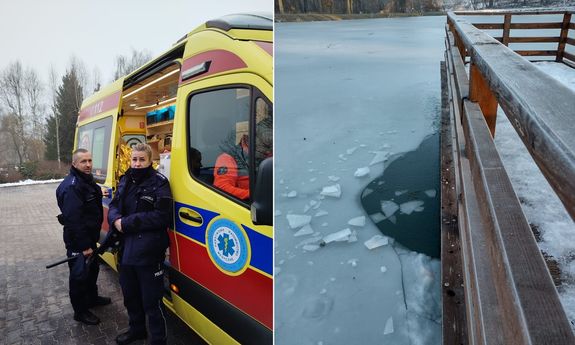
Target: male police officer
(142,211)
(80,201)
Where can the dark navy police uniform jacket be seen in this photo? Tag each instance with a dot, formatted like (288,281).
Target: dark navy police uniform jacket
(80,201)
(145,206)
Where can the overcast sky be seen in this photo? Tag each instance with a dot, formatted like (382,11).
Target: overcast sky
(42,33)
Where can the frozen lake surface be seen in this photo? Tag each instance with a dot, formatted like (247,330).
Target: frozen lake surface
(352,97)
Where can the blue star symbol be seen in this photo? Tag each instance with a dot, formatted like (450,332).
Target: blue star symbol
(226,245)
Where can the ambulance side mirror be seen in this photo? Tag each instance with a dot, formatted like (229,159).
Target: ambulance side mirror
(262,206)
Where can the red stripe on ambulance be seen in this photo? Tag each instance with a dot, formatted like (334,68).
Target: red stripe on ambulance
(220,61)
(251,291)
(100,106)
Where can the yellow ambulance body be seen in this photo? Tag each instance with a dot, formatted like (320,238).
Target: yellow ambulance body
(205,101)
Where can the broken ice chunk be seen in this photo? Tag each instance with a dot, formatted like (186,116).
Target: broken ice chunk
(292,194)
(342,157)
(333,178)
(324,224)
(353,237)
(309,240)
(315,204)
(367,192)
(277,213)
(389,208)
(361,172)
(306,208)
(339,236)
(388,326)
(357,221)
(399,192)
(380,156)
(351,151)
(333,191)
(430,193)
(383,269)
(312,179)
(363,145)
(321,213)
(310,247)
(376,241)
(377,217)
(410,206)
(392,219)
(298,220)
(305,230)
(352,262)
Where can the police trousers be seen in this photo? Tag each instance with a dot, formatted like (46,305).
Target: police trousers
(84,291)
(143,289)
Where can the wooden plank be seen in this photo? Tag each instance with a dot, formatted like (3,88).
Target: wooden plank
(533,39)
(454,328)
(563,40)
(479,92)
(517,12)
(488,26)
(568,56)
(570,41)
(461,81)
(506,29)
(529,26)
(572,26)
(525,290)
(536,52)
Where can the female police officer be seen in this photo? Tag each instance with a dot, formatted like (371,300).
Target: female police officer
(142,211)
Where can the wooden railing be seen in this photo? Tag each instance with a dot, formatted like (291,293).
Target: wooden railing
(496,286)
(556,25)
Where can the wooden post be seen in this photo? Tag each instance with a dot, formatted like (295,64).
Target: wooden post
(506,29)
(480,92)
(563,38)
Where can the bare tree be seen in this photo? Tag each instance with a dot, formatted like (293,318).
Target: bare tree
(33,92)
(83,79)
(126,65)
(12,96)
(21,93)
(96,79)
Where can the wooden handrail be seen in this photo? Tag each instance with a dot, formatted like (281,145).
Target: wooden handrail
(542,116)
(509,295)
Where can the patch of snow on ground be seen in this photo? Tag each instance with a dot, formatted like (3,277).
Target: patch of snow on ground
(29,182)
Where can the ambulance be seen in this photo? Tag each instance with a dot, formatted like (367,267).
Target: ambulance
(207,99)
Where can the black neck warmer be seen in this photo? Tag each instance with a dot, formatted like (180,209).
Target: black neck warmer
(139,175)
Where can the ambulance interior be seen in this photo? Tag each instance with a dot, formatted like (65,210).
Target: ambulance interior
(148,108)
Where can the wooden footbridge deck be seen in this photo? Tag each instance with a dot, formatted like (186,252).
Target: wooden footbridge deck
(496,286)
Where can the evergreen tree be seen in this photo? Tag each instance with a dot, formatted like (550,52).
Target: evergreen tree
(51,153)
(66,108)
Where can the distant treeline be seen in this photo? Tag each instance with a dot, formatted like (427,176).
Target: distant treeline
(356,6)
(351,7)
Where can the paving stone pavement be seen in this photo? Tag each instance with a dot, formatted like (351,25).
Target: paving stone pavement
(34,303)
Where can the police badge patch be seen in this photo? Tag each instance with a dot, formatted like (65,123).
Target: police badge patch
(222,170)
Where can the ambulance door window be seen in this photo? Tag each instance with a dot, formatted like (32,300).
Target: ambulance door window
(218,132)
(264,131)
(95,137)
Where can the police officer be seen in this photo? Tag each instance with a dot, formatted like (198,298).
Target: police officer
(142,211)
(80,201)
